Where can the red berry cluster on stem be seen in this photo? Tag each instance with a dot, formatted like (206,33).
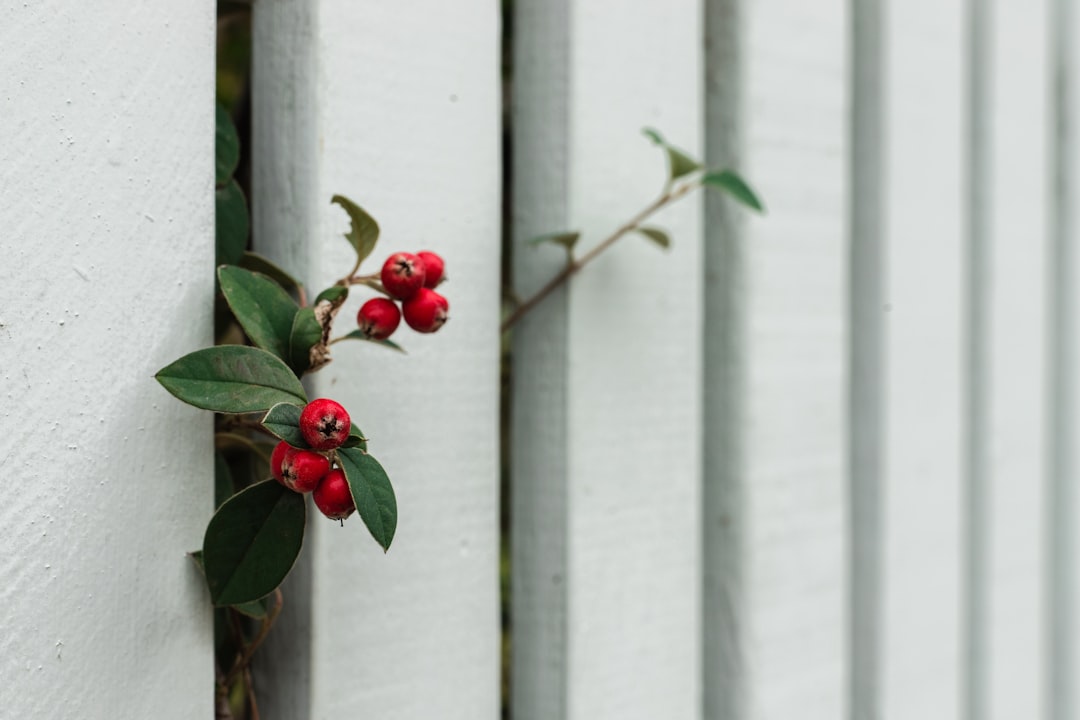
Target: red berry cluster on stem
(325,426)
(411,280)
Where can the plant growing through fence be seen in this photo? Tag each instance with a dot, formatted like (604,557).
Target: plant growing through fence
(685,175)
(271,444)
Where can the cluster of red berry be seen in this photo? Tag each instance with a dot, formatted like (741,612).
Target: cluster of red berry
(412,280)
(325,426)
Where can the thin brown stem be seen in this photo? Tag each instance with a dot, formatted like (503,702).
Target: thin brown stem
(669,196)
(244,659)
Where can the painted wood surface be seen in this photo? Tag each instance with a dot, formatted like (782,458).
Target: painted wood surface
(106,275)
(775,365)
(925,76)
(606,527)
(1012,551)
(400,113)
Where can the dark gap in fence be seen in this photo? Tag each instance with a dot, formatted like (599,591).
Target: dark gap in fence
(1062,356)
(976,370)
(506,365)
(866,396)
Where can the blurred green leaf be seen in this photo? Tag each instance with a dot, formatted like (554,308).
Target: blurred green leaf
(226,147)
(364,232)
(223,480)
(730,182)
(231,223)
(306,333)
(567,239)
(657,235)
(257,263)
(679,163)
(359,335)
(332,294)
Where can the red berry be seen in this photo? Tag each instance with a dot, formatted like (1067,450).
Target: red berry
(427,312)
(324,424)
(303,469)
(333,497)
(433,268)
(280,450)
(402,275)
(378,318)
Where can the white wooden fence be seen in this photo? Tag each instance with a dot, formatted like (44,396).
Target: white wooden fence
(819,464)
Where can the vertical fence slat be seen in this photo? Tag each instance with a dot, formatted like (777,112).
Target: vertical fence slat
(925,76)
(605,526)
(776,288)
(404,120)
(106,170)
(1015,352)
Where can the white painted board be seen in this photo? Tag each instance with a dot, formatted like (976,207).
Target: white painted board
(775,364)
(923,569)
(397,106)
(606,528)
(1014,602)
(106,275)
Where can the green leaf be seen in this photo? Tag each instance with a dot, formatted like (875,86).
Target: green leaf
(730,182)
(364,232)
(226,147)
(333,294)
(680,163)
(252,542)
(283,420)
(256,609)
(566,239)
(257,263)
(372,493)
(231,379)
(306,332)
(231,224)
(657,235)
(356,439)
(261,306)
(223,480)
(358,335)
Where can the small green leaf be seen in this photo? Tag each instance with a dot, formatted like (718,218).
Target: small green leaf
(657,235)
(730,182)
(261,306)
(283,420)
(223,480)
(372,493)
(306,332)
(257,263)
(566,239)
(680,163)
(654,135)
(364,232)
(226,147)
(231,224)
(231,379)
(257,609)
(252,542)
(359,335)
(356,439)
(333,294)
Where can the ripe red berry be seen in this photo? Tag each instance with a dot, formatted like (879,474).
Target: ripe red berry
(276,457)
(433,268)
(427,311)
(324,424)
(332,496)
(303,469)
(378,318)
(402,275)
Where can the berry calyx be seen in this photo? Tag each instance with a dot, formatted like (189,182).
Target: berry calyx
(378,318)
(402,275)
(276,458)
(427,311)
(333,497)
(303,469)
(324,424)
(433,268)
